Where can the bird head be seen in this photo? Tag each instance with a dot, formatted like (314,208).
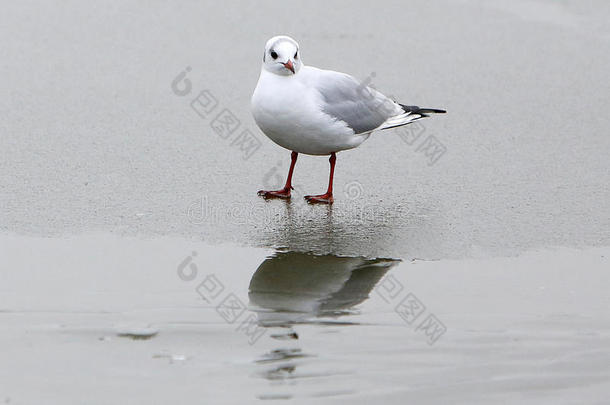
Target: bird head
(282,56)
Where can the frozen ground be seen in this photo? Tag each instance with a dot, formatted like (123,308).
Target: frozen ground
(109,179)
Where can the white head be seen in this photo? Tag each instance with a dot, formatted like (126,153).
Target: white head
(282,56)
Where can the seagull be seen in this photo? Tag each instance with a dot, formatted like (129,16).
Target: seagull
(318,112)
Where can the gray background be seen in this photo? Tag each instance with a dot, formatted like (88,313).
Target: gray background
(94,139)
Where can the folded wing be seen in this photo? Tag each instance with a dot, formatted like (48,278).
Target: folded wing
(362,108)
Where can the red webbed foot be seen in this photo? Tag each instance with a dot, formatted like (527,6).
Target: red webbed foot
(283,193)
(326,198)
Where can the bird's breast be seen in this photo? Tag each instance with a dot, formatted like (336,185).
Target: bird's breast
(289,113)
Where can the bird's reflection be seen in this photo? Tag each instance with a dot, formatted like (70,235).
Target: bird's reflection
(293,287)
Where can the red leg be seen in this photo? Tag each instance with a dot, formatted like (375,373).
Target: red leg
(326,198)
(285,192)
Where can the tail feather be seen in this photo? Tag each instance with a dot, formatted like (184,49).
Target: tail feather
(411,114)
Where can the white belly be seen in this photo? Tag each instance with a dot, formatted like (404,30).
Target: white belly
(290,116)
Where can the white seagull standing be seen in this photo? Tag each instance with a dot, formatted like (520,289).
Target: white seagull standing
(318,112)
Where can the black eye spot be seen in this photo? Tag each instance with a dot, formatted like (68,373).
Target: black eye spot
(296,54)
(273,55)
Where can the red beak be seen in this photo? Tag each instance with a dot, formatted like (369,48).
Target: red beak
(288,65)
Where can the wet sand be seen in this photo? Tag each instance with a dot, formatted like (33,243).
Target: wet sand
(96,139)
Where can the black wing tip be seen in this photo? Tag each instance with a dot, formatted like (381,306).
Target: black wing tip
(418,110)
(432,111)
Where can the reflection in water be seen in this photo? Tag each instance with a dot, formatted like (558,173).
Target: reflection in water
(293,287)
(358,227)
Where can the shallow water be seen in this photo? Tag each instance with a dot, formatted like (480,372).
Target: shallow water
(99,318)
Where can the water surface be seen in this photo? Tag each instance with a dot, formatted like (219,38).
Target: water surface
(96,318)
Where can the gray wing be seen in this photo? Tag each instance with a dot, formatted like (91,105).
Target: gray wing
(362,108)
